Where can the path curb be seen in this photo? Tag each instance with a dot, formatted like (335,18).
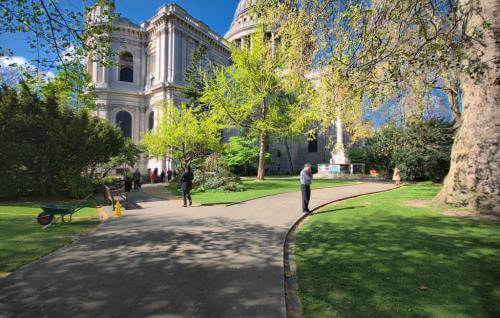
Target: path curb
(293,307)
(270,195)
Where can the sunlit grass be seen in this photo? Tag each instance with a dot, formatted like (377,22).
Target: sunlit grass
(378,256)
(256,189)
(22,239)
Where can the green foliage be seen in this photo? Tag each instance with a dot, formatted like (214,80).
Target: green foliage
(252,95)
(213,175)
(80,186)
(45,147)
(197,75)
(241,155)
(184,134)
(125,155)
(222,180)
(63,39)
(421,150)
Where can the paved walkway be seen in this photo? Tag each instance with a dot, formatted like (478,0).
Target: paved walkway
(167,261)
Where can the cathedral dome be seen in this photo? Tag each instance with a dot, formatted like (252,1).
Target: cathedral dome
(244,21)
(243,7)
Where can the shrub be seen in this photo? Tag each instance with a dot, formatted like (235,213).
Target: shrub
(421,150)
(47,148)
(221,180)
(80,187)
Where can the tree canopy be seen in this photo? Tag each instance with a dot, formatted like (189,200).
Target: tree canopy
(252,96)
(183,134)
(47,148)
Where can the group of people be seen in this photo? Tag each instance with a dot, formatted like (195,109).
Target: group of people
(186,181)
(154,177)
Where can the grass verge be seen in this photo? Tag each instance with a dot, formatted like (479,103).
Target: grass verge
(256,189)
(22,239)
(381,256)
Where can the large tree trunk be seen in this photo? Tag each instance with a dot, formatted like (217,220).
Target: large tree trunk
(262,156)
(473,177)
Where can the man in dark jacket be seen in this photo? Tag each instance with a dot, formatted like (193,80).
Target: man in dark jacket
(305,186)
(137,179)
(186,185)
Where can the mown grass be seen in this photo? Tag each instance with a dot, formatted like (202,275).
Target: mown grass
(22,239)
(379,256)
(256,189)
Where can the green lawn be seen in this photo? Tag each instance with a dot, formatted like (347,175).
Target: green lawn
(256,189)
(378,256)
(22,239)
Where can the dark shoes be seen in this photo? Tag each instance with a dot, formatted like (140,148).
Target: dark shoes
(190,203)
(306,211)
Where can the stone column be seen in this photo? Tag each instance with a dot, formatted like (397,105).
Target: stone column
(340,133)
(339,155)
(159,56)
(183,57)
(171,51)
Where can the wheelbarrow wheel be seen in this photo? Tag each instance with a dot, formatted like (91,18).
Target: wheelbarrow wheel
(45,218)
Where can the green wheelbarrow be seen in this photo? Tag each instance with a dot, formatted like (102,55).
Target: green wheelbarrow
(50,211)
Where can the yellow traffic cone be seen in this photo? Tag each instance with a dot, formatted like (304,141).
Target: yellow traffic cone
(118,209)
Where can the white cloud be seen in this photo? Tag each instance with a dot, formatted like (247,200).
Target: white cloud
(13,67)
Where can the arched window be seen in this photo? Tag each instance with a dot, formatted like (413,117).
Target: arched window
(151,123)
(126,67)
(313,142)
(124,121)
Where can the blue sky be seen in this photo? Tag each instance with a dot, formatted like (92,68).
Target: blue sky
(217,14)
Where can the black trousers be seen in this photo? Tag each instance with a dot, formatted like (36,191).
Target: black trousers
(137,184)
(305,189)
(186,195)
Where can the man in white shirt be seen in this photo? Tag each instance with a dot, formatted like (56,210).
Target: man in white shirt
(305,186)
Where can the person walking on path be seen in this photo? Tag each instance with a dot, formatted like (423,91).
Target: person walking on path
(396,177)
(169,175)
(186,185)
(305,186)
(137,179)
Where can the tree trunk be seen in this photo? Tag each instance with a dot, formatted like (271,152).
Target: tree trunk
(262,156)
(454,105)
(289,155)
(473,177)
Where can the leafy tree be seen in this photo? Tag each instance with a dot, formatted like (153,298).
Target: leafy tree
(62,36)
(47,148)
(183,134)
(374,53)
(251,94)
(240,154)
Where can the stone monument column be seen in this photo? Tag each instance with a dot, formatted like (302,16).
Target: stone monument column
(339,155)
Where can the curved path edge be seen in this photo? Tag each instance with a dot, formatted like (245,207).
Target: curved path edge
(169,261)
(293,306)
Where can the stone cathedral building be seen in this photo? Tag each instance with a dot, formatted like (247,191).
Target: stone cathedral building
(151,61)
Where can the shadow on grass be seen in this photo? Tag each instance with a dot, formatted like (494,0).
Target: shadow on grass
(396,266)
